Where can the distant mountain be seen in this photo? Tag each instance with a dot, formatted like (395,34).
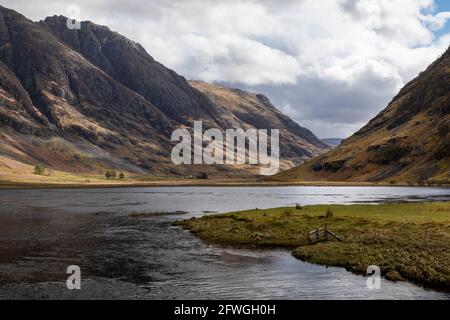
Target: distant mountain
(249,110)
(409,141)
(333,142)
(89,99)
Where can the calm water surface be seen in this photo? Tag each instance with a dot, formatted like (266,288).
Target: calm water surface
(44,231)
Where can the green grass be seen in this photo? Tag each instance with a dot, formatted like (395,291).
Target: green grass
(391,236)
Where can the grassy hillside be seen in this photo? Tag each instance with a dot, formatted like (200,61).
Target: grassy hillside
(408,142)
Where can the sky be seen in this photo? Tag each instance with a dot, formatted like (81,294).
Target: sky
(331,65)
(444,6)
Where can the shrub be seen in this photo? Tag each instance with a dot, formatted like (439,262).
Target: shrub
(203,176)
(443,150)
(390,154)
(111,174)
(329,214)
(298,206)
(39,169)
(331,166)
(121,176)
(334,166)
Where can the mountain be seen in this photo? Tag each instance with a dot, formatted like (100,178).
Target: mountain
(409,141)
(332,142)
(250,110)
(89,99)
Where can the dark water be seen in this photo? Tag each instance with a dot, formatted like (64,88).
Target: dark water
(44,231)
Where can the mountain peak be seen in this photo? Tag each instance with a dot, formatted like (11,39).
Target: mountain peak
(88,99)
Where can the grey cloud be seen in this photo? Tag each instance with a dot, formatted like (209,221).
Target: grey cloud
(333,109)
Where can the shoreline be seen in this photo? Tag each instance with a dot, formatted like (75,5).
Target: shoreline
(388,235)
(5,184)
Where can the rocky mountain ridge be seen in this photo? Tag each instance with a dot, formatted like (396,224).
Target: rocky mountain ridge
(89,99)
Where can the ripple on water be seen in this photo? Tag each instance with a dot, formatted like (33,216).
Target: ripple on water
(45,230)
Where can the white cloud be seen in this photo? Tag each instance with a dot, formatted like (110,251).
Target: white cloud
(437,21)
(236,59)
(330,64)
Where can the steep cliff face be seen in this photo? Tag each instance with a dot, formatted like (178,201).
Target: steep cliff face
(409,141)
(89,99)
(81,113)
(129,63)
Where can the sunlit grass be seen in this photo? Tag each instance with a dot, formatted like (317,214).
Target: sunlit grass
(408,240)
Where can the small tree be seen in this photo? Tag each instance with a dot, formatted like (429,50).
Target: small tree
(203,176)
(111,174)
(39,169)
(121,176)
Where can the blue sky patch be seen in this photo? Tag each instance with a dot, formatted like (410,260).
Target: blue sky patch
(443,5)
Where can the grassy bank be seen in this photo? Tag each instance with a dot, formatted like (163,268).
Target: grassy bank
(392,236)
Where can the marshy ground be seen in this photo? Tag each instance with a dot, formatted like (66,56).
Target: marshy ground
(409,241)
